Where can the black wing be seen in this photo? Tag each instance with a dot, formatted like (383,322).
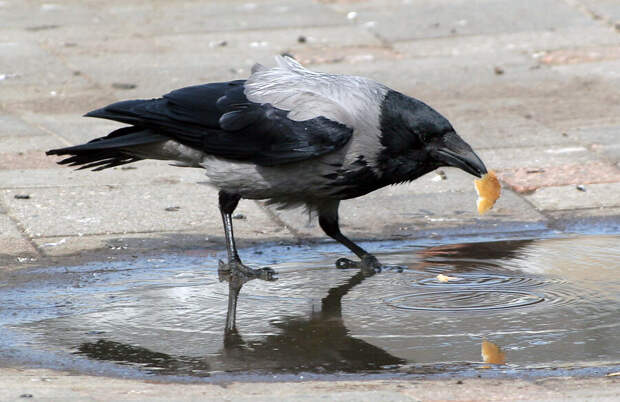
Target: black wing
(218,119)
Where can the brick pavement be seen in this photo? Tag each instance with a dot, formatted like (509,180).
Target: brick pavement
(532,85)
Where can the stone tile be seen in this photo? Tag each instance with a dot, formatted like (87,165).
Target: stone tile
(486,129)
(119,245)
(7,227)
(580,55)
(33,99)
(73,128)
(33,84)
(607,71)
(460,78)
(12,243)
(396,211)
(532,43)
(15,144)
(156,65)
(607,9)
(526,180)
(539,157)
(72,211)
(610,152)
(140,173)
(580,106)
(604,195)
(117,19)
(13,126)
(596,135)
(422,19)
(10,162)
(588,220)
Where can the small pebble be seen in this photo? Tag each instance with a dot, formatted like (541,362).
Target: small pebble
(25,396)
(239,216)
(498,70)
(459,382)
(173,209)
(22,196)
(301,39)
(581,187)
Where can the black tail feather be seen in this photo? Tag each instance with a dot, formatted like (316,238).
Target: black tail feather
(109,151)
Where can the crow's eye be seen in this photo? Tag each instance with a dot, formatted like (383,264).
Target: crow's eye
(426,137)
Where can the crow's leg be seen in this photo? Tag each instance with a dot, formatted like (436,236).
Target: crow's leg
(234,272)
(328,220)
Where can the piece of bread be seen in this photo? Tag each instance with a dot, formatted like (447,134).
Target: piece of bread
(488,189)
(491,353)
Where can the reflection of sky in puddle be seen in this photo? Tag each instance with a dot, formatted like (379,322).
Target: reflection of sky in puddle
(547,303)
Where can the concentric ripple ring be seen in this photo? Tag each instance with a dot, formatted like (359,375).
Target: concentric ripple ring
(519,299)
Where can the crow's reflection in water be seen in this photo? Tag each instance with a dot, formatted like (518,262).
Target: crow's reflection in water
(319,343)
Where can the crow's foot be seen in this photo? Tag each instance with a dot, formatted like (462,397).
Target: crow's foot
(236,272)
(368,264)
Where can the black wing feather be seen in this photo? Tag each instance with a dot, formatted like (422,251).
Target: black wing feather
(218,119)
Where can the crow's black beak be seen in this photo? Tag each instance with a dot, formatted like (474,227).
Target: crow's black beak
(453,151)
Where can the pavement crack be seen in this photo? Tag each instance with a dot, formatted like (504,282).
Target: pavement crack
(593,14)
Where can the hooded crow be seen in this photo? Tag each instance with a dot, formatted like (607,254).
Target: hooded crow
(288,135)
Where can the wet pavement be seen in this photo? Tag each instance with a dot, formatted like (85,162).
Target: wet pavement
(551,302)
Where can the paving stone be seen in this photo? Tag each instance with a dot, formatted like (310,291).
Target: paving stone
(73,128)
(120,245)
(33,84)
(486,129)
(13,126)
(7,227)
(422,19)
(533,43)
(596,135)
(536,157)
(140,173)
(581,55)
(610,152)
(12,243)
(24,160)
(609,9)
(16,144)
(460,78)
(604,195)
(406,214)
(116,19)
(72,211)
(526,180)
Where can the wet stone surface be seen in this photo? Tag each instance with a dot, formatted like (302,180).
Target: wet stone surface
(551,304)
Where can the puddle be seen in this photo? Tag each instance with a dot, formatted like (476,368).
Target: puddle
(552,305)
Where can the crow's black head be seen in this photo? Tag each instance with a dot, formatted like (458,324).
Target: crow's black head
(417,140)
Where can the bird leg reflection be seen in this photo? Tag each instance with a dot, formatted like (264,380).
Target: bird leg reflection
(234,271)
(318,343)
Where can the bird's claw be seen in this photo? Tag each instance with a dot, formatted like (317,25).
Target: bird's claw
(236,271)
(345,263)
(368,264)
(266,274)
